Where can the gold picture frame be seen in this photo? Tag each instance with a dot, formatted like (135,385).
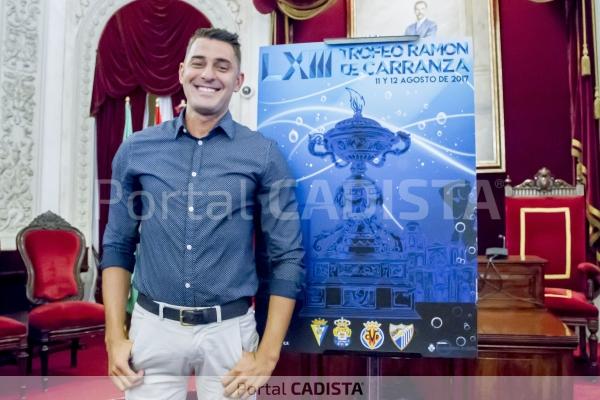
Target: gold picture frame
(476,18)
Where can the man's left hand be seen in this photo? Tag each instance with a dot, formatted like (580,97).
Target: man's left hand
(248,375)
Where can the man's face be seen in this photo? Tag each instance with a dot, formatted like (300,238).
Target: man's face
(420,11)
(209,75)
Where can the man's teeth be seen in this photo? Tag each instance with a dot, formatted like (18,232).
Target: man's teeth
(206,89)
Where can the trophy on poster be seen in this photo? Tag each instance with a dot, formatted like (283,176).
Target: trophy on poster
(359,268)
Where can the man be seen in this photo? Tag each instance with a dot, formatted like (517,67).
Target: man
(195,183)
(423,27)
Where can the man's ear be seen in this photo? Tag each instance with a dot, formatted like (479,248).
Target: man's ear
(181,73)
(239,81)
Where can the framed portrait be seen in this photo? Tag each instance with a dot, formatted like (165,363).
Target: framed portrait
(477,19)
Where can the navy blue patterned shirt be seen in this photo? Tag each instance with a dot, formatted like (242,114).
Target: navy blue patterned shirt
(194,205)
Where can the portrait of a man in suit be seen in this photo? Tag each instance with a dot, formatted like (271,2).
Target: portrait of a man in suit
(423,27)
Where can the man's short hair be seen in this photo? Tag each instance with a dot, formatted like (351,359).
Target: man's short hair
(421,2)
(218,34)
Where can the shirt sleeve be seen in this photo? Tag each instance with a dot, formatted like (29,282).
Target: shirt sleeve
(122,234)
(280,227)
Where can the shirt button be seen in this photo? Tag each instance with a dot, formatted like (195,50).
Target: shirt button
(187,285)
(184,130)
(191,209)
(200,142)
(194,173)
(189,247)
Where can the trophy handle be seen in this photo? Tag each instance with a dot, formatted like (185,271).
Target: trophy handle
(405,138)
(317,140)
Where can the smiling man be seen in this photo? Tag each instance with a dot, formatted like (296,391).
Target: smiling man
(196,186)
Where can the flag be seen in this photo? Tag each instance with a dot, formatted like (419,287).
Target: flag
(180,107)
(128,129)
(157,118)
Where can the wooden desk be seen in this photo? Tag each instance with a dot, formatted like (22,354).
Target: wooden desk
(524,342)
(525,352)
(511,283)
(529,343)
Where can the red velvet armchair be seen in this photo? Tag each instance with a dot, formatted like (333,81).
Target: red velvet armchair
(13,339)
(53,252)
(546,217)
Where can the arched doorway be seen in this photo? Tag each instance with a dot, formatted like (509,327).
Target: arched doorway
(77,146)
(138,55)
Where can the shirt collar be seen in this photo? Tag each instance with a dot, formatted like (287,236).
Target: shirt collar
(226,124)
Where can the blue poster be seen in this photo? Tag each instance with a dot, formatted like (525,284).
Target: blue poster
(381,140)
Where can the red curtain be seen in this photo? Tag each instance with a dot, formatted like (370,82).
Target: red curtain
(265,6)
(139,52)
(584,127)
(331,23)
(329,20)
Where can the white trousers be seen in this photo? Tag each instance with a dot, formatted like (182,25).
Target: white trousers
(169,353)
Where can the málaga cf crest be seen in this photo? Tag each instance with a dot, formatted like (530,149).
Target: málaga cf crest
(401,334)
(372,336)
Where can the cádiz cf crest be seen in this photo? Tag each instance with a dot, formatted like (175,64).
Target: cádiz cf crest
(371,336)
(342,332)
(319,329)
(402,335)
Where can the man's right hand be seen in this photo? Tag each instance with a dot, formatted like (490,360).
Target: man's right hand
(119,370)
(115,287)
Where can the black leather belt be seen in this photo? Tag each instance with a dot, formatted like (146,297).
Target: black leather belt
(202,316)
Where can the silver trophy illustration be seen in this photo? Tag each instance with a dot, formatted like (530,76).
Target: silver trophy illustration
(358,267)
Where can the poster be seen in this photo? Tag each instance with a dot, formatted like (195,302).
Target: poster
(380,138)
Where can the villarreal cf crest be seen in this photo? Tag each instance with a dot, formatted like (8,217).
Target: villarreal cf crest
(342,332)
(402,335)
(319,328)
(372,336)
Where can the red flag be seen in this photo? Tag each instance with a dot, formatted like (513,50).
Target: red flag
(157,117)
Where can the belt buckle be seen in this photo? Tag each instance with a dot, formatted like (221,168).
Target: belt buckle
(181,319)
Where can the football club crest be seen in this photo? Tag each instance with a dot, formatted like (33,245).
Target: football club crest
(319,329)
(342,332)
(402,334)
(371,336)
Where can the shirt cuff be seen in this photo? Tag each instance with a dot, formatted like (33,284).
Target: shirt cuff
(284,288)
(116,259)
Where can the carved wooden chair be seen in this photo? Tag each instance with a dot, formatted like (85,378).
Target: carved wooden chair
(546,217)
(53,252)
(13,339)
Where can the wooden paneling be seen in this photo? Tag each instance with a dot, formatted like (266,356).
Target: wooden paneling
(512,283)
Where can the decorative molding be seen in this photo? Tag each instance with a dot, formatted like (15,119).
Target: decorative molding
(234,6)
(50,221)
(19,66)
(544,181)
(80,9)
(543,184)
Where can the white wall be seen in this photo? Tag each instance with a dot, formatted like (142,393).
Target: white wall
(51,109)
